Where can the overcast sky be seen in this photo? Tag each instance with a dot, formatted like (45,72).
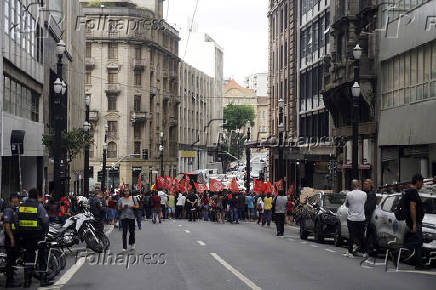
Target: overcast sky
(240,27)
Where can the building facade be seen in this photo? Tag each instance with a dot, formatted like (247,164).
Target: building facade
(197,91)
(314,128)
(282,78)
(352,23)
(406,92)
(259,84)
(132,80)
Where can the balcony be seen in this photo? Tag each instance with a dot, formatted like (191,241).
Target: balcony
(113,89)
(112,135)
(173,74)
(172,122)
(138,64)
(138,117)
(89,63)
(153,91)
(93,116)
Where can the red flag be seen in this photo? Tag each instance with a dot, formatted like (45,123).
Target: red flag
(291,190)
(269,188)
(259,187)
(279,185)
(160,182)
(138,183)
(233,186)
(200,187)
(215,185)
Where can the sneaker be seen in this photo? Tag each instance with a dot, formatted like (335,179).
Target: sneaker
(132,247)
(124,250)
(348,255)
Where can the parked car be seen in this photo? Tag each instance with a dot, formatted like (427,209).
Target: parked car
(390,232)
(318,216)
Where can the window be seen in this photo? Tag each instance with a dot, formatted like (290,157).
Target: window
(112,77)
(326,26)
(112,150)
(303,44)
(112,50)
(35,107)
(88,78)
(315,37)
(6,94)
(91,151)
(138,78)
(137,131)
(286,16)
(137,148)
(112,127)
(137,103)
(388,203)
(88,50)
(111,103)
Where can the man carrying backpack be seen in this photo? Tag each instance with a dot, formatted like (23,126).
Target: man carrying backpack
(414,217)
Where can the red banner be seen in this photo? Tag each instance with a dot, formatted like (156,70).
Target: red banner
(269,188)
(200,187)
(215,185)
(278,185)
(233,186)
(291,190)
(138,183)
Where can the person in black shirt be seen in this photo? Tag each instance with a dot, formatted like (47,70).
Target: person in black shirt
(191,202)
(370,205)
(10,220)
(414,220)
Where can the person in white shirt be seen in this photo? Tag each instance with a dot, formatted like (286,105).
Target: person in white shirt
(260,207)
(355,202)
(164,204)
(180,205)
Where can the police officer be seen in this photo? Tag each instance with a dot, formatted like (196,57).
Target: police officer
(33,225)
(97,207)
(10,224)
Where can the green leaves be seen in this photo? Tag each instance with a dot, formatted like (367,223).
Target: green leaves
(73,142)
(237,116)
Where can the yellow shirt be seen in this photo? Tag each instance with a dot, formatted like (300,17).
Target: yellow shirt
(268,203)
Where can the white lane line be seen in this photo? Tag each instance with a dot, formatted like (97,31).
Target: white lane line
(303,243)
(413,271)
(70,272)
(180,225)
(295,228)
(201,243)
(235,272)
(290,239)
(315,246)
(187,231)
(331,251)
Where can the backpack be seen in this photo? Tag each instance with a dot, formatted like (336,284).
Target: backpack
(400,211)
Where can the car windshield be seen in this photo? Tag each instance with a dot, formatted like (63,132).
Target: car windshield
(429,205)
(333,201)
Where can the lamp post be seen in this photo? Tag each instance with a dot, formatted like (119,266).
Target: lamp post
(161,152)
(237,140)
(281,129)
(86,127)
(248,155)
(150,176)
(355,91)
(103,179)
(59,88)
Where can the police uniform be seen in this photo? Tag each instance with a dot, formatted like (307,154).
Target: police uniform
(98,210)
(10,216)
(33,225)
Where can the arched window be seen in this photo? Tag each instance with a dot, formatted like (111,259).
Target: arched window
(112,150)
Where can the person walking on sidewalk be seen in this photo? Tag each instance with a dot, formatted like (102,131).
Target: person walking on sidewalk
(127,206)
(355,202)
(280,204)
(157,207)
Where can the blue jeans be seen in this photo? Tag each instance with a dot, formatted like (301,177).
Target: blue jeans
(251,213)
(234,215)
(139,218)
(206,213)
(266,217)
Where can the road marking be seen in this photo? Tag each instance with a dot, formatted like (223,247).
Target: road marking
(290,239)
(235,272)
(303,243)
(187,231)
(293,227)
(412,271)
(315,246)
(180,225)
(63,280)
(201,243)
(331,251)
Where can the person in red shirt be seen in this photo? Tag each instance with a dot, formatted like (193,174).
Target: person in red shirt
(155,202)
(205,204)
(289,217)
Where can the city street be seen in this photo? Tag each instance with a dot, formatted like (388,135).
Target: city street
(206,255)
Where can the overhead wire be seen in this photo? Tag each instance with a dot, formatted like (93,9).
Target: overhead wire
(190,28)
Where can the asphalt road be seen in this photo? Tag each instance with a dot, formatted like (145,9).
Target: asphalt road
(206,255)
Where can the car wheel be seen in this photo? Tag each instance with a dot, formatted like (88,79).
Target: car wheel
(338,237)
(319,235)
(303,232)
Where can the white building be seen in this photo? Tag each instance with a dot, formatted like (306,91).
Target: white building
(259,83)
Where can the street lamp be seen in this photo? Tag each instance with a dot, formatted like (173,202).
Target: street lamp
(248,155)
(87,128)
(59,88)
(237,140)
(281,130)
(103,179)
(161,153)
(355,91)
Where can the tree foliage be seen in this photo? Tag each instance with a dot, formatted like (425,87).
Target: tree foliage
(73,142)
(237,116)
